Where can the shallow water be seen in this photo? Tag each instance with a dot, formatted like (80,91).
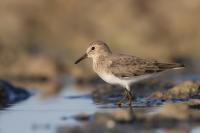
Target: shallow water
(44,116)
(36,114)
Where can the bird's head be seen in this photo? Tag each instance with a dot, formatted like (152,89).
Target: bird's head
(95,49)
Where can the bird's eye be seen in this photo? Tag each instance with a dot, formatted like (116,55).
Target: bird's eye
(93,48)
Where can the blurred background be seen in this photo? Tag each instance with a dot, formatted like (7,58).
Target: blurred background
(40,40)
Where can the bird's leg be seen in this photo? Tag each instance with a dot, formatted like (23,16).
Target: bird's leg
(125,96)
(130,97)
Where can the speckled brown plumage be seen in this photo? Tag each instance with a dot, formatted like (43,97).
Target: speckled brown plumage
(129,66)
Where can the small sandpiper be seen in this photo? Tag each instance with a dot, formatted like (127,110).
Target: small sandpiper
(121,69)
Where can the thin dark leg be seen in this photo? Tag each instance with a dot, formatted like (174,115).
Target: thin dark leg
(125,96)
(130,97)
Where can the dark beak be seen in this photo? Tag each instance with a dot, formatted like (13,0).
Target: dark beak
(80,59)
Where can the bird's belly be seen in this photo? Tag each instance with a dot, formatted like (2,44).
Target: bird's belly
(111,79)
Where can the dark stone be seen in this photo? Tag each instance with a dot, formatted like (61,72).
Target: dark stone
(10,94)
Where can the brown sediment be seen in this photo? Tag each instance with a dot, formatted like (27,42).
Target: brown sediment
(126,120)
(186,89)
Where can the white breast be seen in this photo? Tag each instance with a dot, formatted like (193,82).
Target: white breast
(111,79)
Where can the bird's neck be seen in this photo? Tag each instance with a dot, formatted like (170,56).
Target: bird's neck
(100,57)
(99,61)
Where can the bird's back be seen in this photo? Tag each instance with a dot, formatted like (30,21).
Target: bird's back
(129,66)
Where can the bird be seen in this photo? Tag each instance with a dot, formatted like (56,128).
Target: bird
(123,69)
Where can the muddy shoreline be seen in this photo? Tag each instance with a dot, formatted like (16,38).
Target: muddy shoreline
(159,104)
(177,105)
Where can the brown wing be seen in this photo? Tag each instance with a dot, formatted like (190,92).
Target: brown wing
(130,66)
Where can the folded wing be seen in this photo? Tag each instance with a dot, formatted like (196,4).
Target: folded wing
(129,66)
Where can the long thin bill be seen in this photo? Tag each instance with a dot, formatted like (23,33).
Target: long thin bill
(80,59)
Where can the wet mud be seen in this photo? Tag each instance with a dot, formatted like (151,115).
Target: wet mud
(159,105)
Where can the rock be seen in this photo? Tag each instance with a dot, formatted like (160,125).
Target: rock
(180,112)
(194,104)
(10,94)
(175,111)
(157,95)
(82,117)
(105,93)
(3,98)
(103,118)
(186,89)
(121,116)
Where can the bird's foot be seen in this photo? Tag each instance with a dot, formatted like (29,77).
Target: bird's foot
(127,96)
(119,104)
